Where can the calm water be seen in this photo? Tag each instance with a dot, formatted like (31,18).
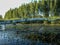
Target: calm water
(10,37)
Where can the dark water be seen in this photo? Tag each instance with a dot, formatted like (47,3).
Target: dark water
(9,37)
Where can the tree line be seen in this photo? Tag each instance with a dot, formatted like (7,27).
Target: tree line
(36,9)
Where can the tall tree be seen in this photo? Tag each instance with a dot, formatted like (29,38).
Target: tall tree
(0,16)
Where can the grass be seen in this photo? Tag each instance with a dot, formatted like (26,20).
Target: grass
(54,17)
(36,27)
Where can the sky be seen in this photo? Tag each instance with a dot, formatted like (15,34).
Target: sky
(5,5)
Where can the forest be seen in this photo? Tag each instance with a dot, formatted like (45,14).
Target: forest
(47,33)
(35,9)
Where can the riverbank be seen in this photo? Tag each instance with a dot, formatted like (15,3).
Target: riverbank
(35,27)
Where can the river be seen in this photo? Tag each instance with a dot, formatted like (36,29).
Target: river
(10,37)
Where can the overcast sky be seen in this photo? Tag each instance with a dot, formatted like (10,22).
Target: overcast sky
(5,5)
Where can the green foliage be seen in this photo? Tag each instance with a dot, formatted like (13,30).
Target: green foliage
(0,16)
(33,10)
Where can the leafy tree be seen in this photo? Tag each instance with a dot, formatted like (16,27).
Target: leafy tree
(0,16)
(33,9)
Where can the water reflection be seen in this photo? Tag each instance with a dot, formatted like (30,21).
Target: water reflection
(11,37)
(2,27)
